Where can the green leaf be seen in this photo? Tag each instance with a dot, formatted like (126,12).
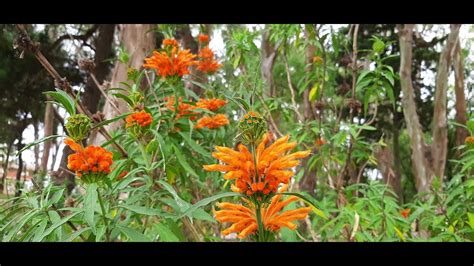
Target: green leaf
(165,234)
(90,204)
(316,209)
(75,234)
(378,46)
(399,234)
(29,215)
(183,205)
(124,97)
(197,148)
(144,210)
(36,142)
(57,224)
(56,196)
(106,122)
(313,92)
(182,161)
(240,102)
(362,75)
(64,100)
(470,217)
(133,234)
(40,230)
(206,201)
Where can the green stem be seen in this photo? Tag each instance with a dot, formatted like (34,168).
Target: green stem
(261,229)
(107,232)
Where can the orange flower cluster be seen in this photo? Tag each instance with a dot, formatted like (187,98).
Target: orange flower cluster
(469,140)
(244,221)
(207,63)
(405,213)
(263,176)
(212,122)
(92,159)
(210,104)
(203,38)
(320,142)
(171,63)
(170,42)
(183,108)
(142,119)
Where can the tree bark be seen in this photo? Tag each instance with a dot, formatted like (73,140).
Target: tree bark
(19,170)
(386,166)
(309,180)
(460,105)
(103,50)
(48,131)
(269,53)
(5,165)
(183,33)
(439,146)
(36,148)
(421,166)
(139,42)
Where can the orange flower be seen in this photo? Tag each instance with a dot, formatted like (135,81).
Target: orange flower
(170,42)
(183,108)
(92,159)
(142,119)
(203,38)
(206,62)
(212,122)
(244,221)
(469,140)
(175,63)
(405,212)
(210,104)
(320,142)
(270,170)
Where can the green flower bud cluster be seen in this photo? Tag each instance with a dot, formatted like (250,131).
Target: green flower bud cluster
(78,127)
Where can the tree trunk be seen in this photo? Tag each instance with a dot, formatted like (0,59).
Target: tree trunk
(48,130)
(139,42)
(396,158)
(5,166)
(421,167)
(36,148)
(309,180)
(183,33)
(439,146)
(460,105)
(103,51)
(385,165)
(269,53)
(19,170)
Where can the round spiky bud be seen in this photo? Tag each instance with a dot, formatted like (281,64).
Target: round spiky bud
(252,127)
(78,127)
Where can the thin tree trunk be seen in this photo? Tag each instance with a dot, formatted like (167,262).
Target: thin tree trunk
(5,166)
(460,105)
(19,170)
(36,148)
(396,158)
(103,51)
(439,146)
(421,167)
(269,53)
(48,130)
(183,33)
(309,180)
